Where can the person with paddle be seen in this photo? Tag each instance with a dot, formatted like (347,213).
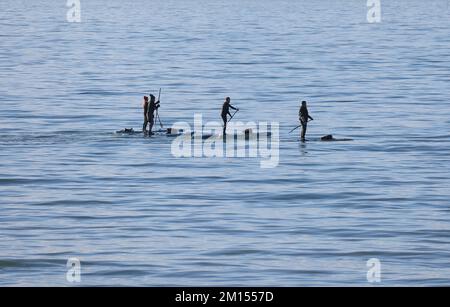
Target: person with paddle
(145,107)
(225,112)
(151,109)
(303,115)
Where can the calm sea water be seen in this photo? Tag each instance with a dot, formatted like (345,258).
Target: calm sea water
(135,215)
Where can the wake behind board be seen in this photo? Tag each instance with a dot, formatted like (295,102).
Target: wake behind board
(169,132)
(236,136)
(327,138)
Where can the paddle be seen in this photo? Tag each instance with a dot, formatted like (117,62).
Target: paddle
(298,127)
(233,115)
(157,113)
(295,128)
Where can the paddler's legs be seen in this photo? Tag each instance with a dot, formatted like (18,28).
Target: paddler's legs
(225,120)
(151,122)
(144,127)
(304,127)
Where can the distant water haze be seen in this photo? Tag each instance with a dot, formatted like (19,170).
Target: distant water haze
(135,215)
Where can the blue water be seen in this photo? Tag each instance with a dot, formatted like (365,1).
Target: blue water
(135,215)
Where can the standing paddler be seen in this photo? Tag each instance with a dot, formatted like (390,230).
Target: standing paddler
(225,112)
(145,107)
(153,105)
(303,116)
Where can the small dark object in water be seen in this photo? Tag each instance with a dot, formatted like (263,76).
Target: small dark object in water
(126,130)
(328,137)
(174,131)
